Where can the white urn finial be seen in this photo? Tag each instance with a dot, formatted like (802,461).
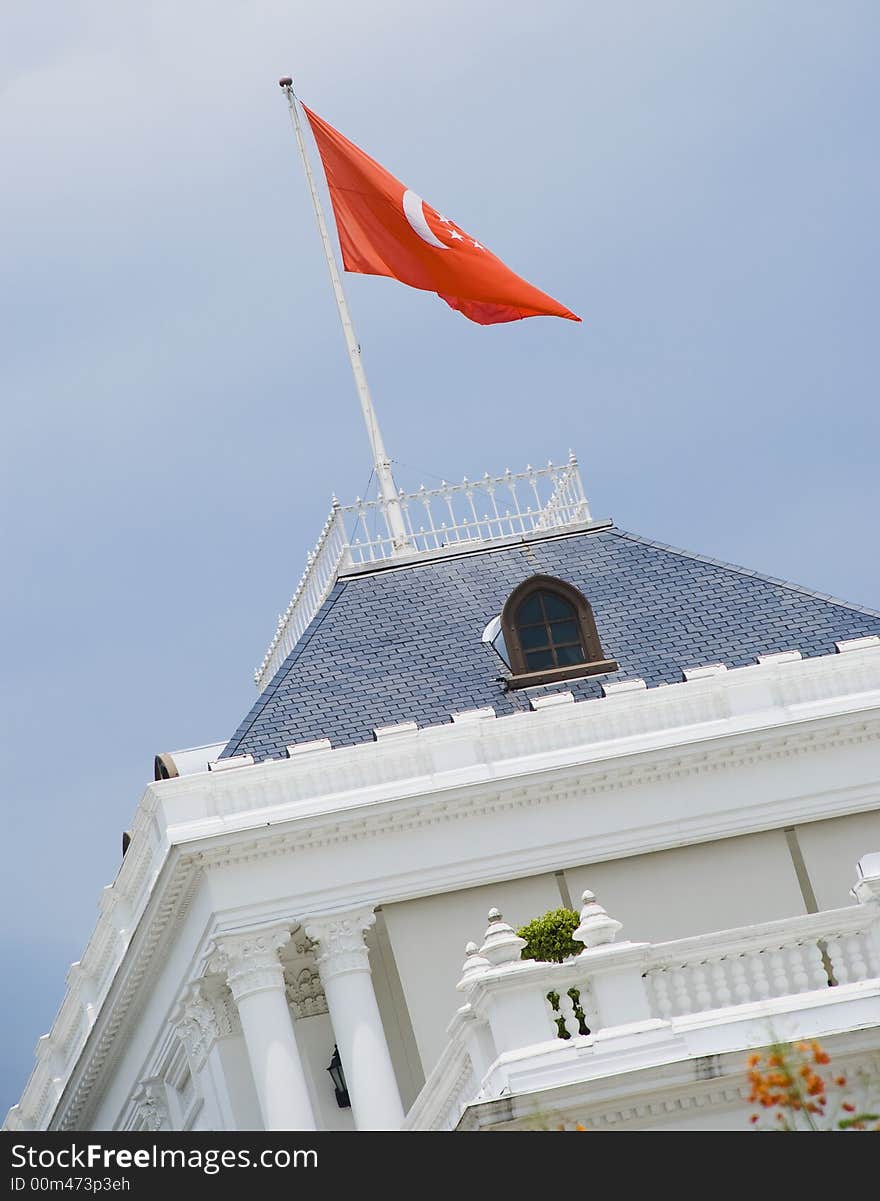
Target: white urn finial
(474,965)
(867,886)
(596,928)
(501,943)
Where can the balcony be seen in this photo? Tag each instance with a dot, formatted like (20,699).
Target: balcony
(632,1029)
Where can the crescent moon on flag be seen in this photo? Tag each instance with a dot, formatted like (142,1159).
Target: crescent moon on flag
(414,212)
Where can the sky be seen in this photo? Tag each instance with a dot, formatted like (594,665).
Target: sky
(699,181)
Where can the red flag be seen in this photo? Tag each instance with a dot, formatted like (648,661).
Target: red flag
(386,229)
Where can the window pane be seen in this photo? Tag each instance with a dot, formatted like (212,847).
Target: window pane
(556,607)
(533,636)
(535,660)
(564,631)
(529,611)
(567,655)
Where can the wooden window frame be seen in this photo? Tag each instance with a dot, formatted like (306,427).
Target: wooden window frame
(596,662)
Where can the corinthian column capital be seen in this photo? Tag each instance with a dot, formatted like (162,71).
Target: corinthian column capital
(340,941)
(250,961)
(206,1015)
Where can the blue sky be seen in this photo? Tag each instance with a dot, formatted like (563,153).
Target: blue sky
(698,180)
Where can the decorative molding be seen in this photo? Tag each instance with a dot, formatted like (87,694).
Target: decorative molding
(209,1014)
(458,1088)
(340,941)
(250,961)
(305,993)
(151,1106)
(576,782)
(123,1002)
(614,1116)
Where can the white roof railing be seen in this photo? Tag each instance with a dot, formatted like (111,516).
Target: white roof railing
(442,518)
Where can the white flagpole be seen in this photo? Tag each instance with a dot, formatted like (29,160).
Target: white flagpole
(381,462)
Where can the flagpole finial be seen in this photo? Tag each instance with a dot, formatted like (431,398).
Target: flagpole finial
(285,82)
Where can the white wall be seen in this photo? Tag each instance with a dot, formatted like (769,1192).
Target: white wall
(236,1078)
(831,850)
(394,1013)
(695,889)
(429,935)
(315,1040)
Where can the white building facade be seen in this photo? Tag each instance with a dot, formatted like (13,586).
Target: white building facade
(706,761)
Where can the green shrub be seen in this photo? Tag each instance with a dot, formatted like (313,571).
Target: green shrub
(549,938)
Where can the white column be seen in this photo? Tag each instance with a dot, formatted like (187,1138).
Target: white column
(256,978)
(344,966)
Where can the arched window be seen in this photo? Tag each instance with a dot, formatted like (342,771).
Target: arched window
(550,633)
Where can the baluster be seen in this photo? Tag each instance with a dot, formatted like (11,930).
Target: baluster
(566,1006)
(469,493)
(663,1001)
(778,975)
(741,990)
(800,981)
(425,498)
(723,994)
(701,988)
(453,521)
(838,960)
(588,1007)
(757,966)
(553,1014)
(407,519)
(858,966)
(511,485)
(680,991)
(815,964)
(872,954)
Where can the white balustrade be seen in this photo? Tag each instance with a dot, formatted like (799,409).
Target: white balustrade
(616,1000)
(444,517)
(784,958)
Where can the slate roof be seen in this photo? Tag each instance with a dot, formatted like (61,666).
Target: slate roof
(403,644)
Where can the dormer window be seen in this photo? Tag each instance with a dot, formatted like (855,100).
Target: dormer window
(550,633)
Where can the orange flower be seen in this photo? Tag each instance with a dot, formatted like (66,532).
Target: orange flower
(753,1060)
(819,1054)
(840,1081)
(754,1118)
(848,1106)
